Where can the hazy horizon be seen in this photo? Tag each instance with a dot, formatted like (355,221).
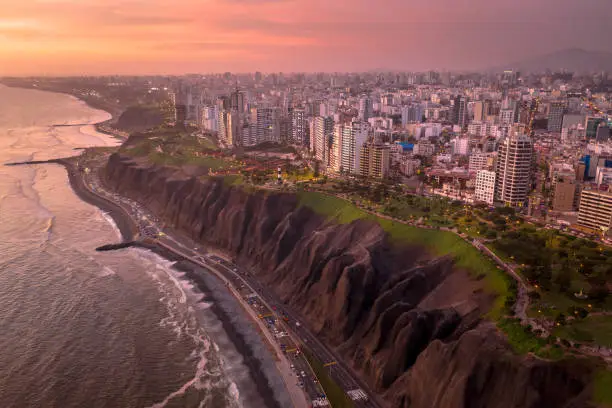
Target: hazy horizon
(134,37)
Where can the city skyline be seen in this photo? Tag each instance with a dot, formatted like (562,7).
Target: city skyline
(68,37)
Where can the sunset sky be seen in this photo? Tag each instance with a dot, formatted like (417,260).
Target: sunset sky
(63,37)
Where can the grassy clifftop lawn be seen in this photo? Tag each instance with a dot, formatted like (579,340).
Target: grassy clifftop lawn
(438,242)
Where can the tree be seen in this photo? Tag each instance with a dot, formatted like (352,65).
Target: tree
(560,319)
(378,193)
(599,293)
(564,278)
(601,272)
(316,169)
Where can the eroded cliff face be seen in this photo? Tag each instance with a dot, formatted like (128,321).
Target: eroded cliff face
(408,322)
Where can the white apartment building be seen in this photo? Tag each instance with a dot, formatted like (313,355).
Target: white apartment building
(222,133)
(427,130)
(485,187)
(210,118)
(298,126)
(514,168)
(461,146)
(346,147)
(322,131)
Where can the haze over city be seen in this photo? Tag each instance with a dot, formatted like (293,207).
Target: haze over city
(67,37)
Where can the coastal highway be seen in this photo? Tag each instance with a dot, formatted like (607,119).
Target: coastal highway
(295,325)
(337,370)
(150,227)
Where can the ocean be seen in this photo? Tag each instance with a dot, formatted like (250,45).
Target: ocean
(80,328)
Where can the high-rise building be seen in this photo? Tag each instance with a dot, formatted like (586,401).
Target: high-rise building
(460,111)
(223,103)
(210,118)
(234,128)
(237,101)
(284,126)
(374,161)
(591,125)
(321,137)
(514,170)
(249,135)
(603,132)
(386,99)
(366,108)
(412,114)
(479,113)
(268,124)
(555,116)
(222,126)
(180,113)
(299,127)
(346,147)
(172,97)
(485,186)
(509,111)
(595,210)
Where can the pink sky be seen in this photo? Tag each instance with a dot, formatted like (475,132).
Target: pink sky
(64,37)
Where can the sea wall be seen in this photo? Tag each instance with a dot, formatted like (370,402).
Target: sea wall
(409,323)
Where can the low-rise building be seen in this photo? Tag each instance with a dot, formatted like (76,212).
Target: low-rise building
(603,175)
(480,161)
(424,149)
(564,194)
(461,146)
(485,187)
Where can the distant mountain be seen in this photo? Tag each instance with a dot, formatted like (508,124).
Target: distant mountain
(571,59)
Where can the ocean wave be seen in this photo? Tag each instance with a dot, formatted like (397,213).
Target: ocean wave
(106,271)
(181,298)
(111,221)
(49,225)
(48,230)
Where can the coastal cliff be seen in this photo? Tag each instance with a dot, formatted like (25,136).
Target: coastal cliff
(409,322)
